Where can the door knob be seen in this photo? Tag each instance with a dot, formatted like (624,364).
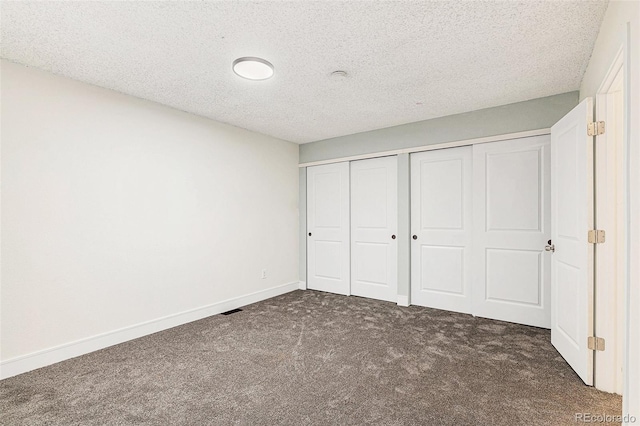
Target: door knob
(309,233)
(415,237)
(550,247)
(393,237)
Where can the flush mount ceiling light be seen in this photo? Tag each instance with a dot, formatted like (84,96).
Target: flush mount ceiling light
(253,68)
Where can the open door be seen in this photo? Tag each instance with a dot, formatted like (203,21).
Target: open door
(571,253)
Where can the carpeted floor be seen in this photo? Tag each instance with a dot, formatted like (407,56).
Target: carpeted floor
(311,358)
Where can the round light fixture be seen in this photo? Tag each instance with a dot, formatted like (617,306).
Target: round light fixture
(253,68)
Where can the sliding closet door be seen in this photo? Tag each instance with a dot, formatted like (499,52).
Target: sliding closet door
(441,219)
(328,228)
(512,215)
(374,218)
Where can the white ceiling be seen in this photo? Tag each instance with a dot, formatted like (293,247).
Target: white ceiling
(407,61)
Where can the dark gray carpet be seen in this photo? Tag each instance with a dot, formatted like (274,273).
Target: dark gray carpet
(314,358)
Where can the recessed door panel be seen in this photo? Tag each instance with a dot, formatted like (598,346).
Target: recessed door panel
(567,184)
(567,317)
(370,195)
(441,181)
(327,215)
(441,216)
(370,264)
(504,267)
(442,269)
(514,186)
(327,259)
(374,239)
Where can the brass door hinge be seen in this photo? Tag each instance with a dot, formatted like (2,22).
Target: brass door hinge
(596,128)
(595,343)
(595,236)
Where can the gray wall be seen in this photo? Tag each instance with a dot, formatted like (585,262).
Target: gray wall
(529,115)
(404,226)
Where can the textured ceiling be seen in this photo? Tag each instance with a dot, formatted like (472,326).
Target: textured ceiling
(406,61)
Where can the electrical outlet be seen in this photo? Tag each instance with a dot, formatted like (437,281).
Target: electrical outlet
(264,274)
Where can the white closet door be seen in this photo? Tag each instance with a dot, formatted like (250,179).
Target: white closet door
(441,219)
(328,228)
(374,218)
(572,261)
(512,213)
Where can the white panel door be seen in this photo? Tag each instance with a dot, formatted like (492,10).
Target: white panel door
(328,228)
(512,212)
(374,218)
(571,217)
(441,219)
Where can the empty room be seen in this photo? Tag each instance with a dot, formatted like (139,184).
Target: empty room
(319,212)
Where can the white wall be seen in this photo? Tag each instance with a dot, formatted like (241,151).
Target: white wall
(117,211)
(621,27)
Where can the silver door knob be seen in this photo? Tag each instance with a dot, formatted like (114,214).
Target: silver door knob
(550,248)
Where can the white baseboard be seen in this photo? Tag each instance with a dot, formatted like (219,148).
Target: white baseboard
(302,285)
(403,301)
(32,361)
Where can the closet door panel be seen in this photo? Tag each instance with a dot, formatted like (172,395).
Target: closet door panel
(328,228)
(511,229)
(441,217)
(374,216)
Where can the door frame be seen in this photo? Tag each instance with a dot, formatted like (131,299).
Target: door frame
(627,61)
(609,182)
(631,387)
